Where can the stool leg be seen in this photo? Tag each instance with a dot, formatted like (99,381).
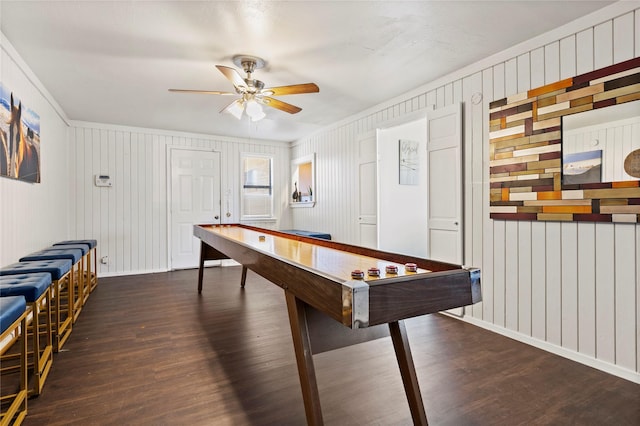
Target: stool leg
(42,356)
(76,283)
(64,325)
(94,274)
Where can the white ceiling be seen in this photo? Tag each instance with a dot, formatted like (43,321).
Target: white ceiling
(113,61)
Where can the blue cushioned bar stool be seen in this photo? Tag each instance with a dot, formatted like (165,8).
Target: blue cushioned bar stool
(85,272)
(61,292)
(92,260)
(75,256)
(36,289)
(13,387)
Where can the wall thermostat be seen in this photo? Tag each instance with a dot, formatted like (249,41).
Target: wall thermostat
(103,180)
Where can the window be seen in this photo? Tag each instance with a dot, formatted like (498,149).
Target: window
(257,186)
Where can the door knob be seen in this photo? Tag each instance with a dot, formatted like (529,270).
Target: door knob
(455,223)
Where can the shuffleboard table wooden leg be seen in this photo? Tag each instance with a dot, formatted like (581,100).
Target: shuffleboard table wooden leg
(203,249)
(408,372)
(304,359)
(243,280)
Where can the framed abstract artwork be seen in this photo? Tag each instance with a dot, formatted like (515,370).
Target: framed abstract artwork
(552,159)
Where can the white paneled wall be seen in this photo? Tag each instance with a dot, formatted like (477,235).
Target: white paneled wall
(129,219)
(34,215)
(570,288)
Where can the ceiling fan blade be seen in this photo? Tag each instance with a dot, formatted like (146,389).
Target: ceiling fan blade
(203,92)
(291,90)
(282,106)
(234,77)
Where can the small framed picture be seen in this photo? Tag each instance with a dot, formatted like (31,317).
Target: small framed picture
(409,162)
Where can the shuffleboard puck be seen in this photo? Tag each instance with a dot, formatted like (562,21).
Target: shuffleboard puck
(410,267)
(391,269)
(357,274)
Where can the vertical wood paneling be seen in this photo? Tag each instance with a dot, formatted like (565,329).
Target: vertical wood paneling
(552,62)
(537,67)
(623,47)
(499,267)
(84,176)
(157,199)
(584,51)
(467,147)
(103,195)
(538,281)
(511,295)
(569,280)
(484,234)
(111,202)
(626,257)
(524,80)
(119,182)
(79,179)
(95,192)
(603,45)
(524,278)
(511,76)
(126,203)
(477,170)
(134,197)
(586,277)
(554,284)
(605,292)
(568,58)
(636,53)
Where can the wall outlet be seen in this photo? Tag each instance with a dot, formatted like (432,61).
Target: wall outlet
(104,260)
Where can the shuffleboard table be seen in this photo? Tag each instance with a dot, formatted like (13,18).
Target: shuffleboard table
(316,276)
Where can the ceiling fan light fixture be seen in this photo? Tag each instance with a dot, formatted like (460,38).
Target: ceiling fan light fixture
(236,108)
(254,110)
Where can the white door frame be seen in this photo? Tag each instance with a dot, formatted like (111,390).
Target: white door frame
(454,110)
(371,134)
(170,149)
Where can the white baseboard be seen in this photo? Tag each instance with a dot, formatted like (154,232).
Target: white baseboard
(213,263)
(125,273)
(615,370)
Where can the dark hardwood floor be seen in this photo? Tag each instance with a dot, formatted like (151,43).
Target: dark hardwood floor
(147,350)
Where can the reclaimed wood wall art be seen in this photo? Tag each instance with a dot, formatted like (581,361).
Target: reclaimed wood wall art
(525,149)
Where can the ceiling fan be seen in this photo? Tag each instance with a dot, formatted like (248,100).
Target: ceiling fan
(253,92)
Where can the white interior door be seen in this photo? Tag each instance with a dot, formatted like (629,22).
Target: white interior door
(195,198)
(444,152)
(367,185)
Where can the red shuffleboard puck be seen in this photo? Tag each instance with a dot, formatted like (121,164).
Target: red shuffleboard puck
(391,269)
(374,272)
(410,267)
(357,274)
